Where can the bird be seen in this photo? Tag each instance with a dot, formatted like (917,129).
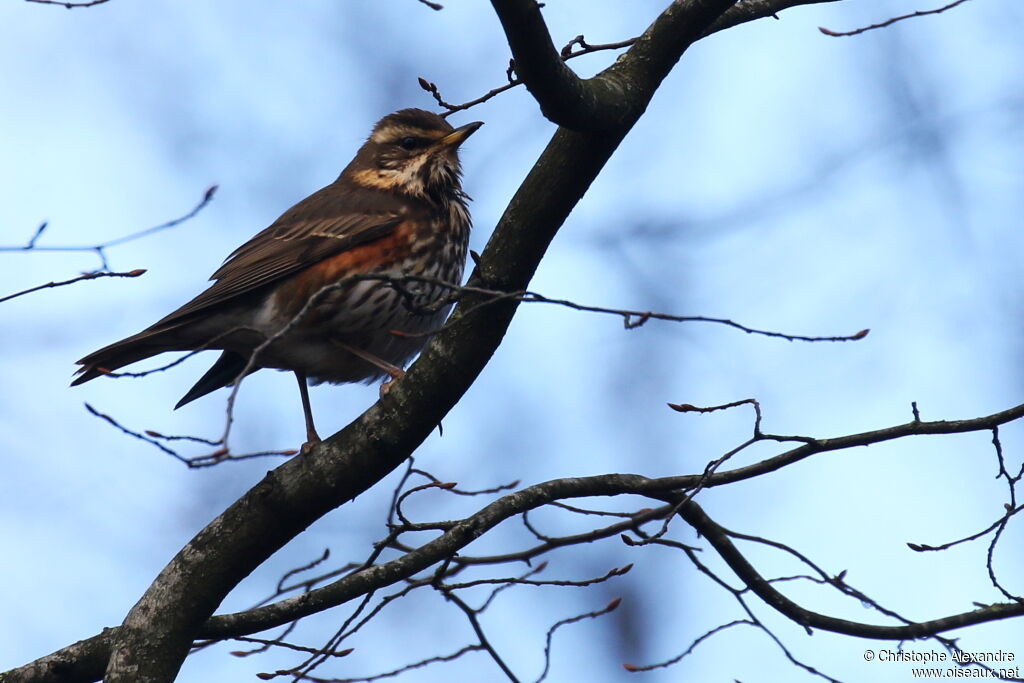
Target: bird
(345,286)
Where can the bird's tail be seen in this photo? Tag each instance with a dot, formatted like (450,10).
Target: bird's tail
(138,347)
(150,343)
(223,373)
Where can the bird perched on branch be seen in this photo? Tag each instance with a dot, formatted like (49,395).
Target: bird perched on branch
(321,291)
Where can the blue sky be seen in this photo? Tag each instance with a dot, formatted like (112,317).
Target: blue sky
(780,178)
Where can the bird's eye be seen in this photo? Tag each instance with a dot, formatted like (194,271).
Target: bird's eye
(409,143)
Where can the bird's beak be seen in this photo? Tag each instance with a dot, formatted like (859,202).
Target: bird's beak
(458,136)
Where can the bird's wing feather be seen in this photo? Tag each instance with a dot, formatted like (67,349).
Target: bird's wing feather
(326,223)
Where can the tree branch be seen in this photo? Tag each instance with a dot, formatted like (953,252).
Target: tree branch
(84,276)
(752,10)
(740,13)
(84,660)
(100,249)
(70,5)
(562,95)
(914,427)
(890,22)
(615,98)
(720,541)
(158,631)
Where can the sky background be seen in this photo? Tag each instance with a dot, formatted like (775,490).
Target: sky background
(780,178)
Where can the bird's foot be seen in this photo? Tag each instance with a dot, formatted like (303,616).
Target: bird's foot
(312,438)
(396,374)
(393,371)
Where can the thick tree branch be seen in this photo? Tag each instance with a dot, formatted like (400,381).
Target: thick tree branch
(752,10)
(615,98)
(740,13)
(721,542)
(562,95)
(76,663)
(83,661)
(158,631)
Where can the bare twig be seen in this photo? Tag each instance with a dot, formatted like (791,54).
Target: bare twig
(214,458)
(69,5)
(416,489)
(84,276)
(632,319)
(277,642)
(612,573)
(401,670)
(405,285)
(137,435)
(1011,508)
(588,511)
(566,52)
(100,249)
(924,547)
(689,650)
(890,22)
(281,588)
(586,48)
(484,642)
(368,580)
(610,607)
(533,571)
(749,10)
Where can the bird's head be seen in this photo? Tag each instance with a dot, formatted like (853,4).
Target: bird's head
(414,152)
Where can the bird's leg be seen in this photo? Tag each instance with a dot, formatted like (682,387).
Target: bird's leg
(393,371)
(312,438)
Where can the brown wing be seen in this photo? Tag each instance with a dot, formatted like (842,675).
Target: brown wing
(339,217)
(328,222)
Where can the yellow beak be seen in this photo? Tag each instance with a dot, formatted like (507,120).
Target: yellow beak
(458,136)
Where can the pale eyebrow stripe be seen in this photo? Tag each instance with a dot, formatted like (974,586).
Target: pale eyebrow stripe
(400,131)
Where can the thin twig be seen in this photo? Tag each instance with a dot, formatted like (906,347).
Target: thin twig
(566,52)
(276,642)
(610,607)
(408,667)
(85,276)
(69,5)
(611,574)
(689,650)
(740,13)
(403,285)
(485,644)
(208,460)
(890,22)
(100,249)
